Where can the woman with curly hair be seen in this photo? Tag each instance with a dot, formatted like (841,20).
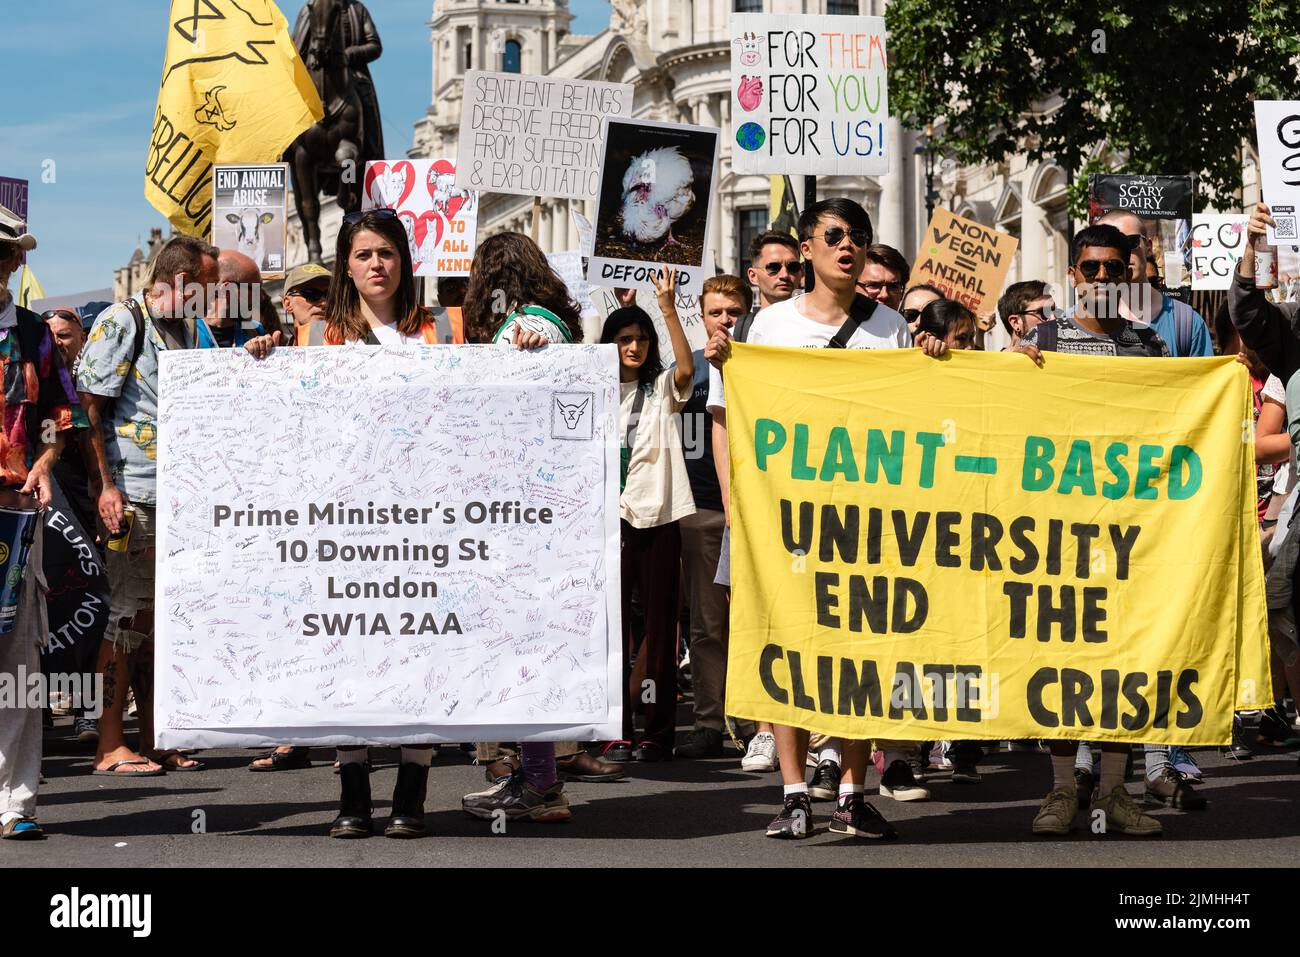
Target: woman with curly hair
(515,296)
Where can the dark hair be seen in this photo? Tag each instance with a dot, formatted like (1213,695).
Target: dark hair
(840,208)
(620,319)
(940,316)
(891,259)
(509,272)
(343,321)
(181,254)
(1103,236)
(725,285)
(451,290)
(1018,297)
(767,239)
(926,287)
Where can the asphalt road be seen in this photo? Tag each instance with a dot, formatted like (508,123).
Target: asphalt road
(679,813)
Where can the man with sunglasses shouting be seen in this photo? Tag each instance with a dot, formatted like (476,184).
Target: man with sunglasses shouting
(835,234)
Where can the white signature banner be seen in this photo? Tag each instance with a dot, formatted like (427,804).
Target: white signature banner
(388,544)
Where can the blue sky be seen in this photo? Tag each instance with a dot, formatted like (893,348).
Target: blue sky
(82,110)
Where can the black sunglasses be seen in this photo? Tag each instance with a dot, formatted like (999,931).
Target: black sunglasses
(911,315)
(835,235)
(310,293)
(794,268)
(1115,268)
(66,314)
(379,212)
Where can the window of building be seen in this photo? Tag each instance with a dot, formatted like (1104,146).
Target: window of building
(512,57)
(750,224)
(848,8)
(469,56)
(748,6)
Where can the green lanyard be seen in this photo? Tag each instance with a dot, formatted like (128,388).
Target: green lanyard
(629,440)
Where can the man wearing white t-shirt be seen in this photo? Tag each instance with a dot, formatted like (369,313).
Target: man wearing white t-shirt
(834,234)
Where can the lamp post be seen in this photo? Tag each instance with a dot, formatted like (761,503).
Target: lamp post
(926,148)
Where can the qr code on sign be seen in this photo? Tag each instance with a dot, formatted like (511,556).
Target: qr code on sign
(1285,228)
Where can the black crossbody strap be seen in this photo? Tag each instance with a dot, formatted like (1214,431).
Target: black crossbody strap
(860,312)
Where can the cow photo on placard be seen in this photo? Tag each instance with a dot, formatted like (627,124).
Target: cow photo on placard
(656,182)
(249,213)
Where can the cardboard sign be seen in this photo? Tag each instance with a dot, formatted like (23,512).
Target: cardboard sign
(969,262)
(447,577)
(1013,580)
(1164,204)
(809,94)
(657,180)
(568,266)
(586,232)
(1277,134)
(441,219)
(13,197)
(249,206)
(1218,243)
(535,135)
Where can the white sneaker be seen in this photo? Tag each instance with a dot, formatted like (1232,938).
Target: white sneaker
(760,756)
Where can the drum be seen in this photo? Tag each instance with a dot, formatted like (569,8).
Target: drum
(19,518)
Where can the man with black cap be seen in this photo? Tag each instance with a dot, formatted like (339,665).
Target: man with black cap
(29,445)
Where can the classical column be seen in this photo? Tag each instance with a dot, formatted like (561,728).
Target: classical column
(891,229)
(550,49)
(711,115)
(476,47)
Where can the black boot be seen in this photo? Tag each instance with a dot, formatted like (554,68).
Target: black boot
(408,802)
(354,807)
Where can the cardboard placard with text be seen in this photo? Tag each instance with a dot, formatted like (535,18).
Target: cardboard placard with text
(968,261)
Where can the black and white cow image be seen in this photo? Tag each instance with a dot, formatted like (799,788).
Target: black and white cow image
(249,239)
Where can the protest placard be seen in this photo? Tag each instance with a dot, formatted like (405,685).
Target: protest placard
(809,94)
(915,560)
(568,266)
(1277,135)
(586,232)
(249,207)
(969,262)
(657,182)
(1218,243)
(1164,205)
(13,197)
(441,219)
(451,573)
(535,135)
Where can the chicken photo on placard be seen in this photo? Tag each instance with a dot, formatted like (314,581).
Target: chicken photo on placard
(658,190)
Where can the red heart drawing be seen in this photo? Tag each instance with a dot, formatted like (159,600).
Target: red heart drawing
(417,235)
(379,182)
(441,184)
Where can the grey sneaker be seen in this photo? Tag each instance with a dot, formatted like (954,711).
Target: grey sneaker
(760,756)
(86,730)
(518,801)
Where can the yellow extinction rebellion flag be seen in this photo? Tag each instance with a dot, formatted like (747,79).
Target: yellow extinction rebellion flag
(233,90)
(978,548)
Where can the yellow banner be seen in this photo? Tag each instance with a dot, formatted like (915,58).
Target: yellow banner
(233,90)
(977,548)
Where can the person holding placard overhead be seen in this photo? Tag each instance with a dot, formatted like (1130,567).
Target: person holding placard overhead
(656,496)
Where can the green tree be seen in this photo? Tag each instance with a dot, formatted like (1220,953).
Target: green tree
(1168,83)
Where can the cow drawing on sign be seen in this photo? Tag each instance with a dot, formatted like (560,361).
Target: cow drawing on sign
(249,239)
(572,413)
(748,43)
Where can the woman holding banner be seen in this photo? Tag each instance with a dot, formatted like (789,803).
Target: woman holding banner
(515,298)
(372,300)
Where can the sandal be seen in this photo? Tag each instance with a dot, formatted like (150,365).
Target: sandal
(166,757)
(112,772)
(294,760)
(22,829)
